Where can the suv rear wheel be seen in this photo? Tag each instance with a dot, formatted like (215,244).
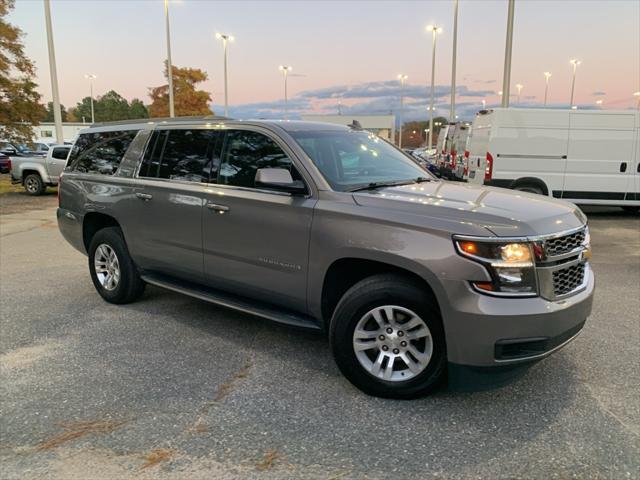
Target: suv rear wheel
(113,272)
(34,185)
(387,338)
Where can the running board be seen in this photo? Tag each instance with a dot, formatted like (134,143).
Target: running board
(234,302)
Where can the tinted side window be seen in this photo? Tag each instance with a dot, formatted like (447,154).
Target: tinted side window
(100,152)
(246,152)
(153,153)
(60,153)
(186,155)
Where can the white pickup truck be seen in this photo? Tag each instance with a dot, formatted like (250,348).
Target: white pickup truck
(38,173)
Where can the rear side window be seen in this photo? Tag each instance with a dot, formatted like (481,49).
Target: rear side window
(246,152)
(100,152)
(184,155)
(60,153)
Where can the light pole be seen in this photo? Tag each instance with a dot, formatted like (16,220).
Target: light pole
(435,30)
(285,69)
(453,59)
(169,64)
(402,79)
(57,115)
(575,63)
(506,75)
(547,76)
(225,41)
(519,87)
(91,77)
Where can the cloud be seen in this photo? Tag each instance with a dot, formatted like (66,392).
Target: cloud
(373,98)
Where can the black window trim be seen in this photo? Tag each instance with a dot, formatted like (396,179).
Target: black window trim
(283,146)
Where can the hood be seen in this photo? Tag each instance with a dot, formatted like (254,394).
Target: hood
(501,212)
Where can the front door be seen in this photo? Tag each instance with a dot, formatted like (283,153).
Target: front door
(166,214)
(256,241)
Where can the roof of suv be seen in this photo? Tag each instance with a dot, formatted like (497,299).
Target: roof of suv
(288,125)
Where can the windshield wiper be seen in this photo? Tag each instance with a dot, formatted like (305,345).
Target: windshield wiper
(374,185)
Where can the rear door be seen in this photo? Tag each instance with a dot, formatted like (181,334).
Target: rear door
(166,217)
(599,167)
(256,241)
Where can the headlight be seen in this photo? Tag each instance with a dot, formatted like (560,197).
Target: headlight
(510,265)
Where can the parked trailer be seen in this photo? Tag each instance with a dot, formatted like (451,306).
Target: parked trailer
(585,156)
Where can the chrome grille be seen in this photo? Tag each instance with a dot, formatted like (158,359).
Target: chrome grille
(566,280)
(560,245)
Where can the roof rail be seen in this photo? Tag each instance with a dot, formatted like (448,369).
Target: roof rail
(162,119)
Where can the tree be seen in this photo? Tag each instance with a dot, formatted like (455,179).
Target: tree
(187,100)
(137,109)
(48,116)
(20,106)
(109,107)
(414,135)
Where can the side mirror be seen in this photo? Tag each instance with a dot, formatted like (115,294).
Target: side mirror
(278,179)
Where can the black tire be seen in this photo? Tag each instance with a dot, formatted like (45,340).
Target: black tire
(631,209)
(129,286)
(34,185)
(525,187)
(376,291)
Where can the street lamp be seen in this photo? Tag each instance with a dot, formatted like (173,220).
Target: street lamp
(575,64)
(91,77)
(434,32)
(402,79)
(484,104)
(169,64)
(519,87)
(285,69)
(547,76)
(225,40)
(637,95)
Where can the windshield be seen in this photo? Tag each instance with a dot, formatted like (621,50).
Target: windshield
(351,159)
(23,149)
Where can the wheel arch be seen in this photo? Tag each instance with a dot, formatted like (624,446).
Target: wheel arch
(533,181)
(92,223)
(29,171)
(345,272)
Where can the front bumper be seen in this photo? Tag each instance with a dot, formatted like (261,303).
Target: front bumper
(488,332)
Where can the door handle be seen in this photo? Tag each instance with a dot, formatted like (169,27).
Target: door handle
(144,196)
(217,208)
(623,167)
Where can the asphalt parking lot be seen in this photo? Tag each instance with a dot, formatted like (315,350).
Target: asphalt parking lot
(172,387)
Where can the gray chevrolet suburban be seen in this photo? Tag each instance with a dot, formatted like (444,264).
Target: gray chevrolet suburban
(414,279)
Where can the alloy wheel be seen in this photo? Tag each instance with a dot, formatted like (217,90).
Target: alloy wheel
(393,343)
(107,266)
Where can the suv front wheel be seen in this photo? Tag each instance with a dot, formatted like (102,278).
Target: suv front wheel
(113,272)
(387,338)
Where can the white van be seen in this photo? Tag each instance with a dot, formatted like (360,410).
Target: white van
(585,156)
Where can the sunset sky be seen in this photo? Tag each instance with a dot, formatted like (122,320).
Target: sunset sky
(352,50)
